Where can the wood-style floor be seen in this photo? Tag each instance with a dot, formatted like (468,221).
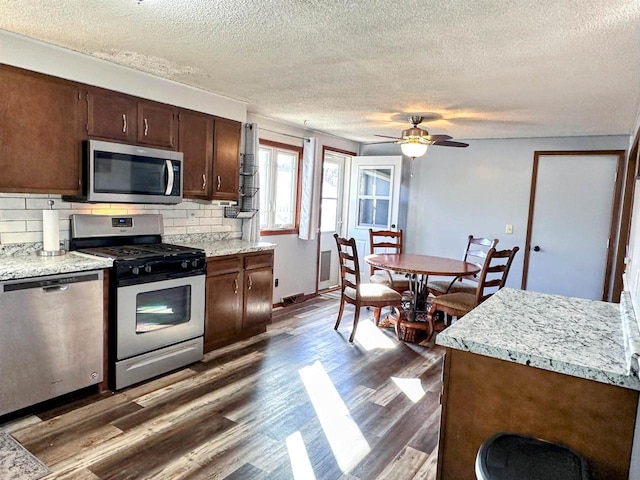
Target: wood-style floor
(299,398)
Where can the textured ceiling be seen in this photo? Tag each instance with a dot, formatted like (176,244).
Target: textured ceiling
(483,69)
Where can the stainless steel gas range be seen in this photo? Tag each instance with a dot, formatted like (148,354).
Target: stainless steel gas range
(157,294)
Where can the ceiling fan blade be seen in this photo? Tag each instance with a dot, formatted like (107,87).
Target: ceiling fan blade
(437,138)
(380,143)
(447,143)
(387,136)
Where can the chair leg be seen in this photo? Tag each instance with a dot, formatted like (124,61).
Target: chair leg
(376,315)
(432,328)
(355,324)
(339,314)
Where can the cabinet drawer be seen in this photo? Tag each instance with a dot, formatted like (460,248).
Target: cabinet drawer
(217,266)
(259,260)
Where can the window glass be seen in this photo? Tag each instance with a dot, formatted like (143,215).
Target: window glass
(330,196)
(278,187)
(374,197)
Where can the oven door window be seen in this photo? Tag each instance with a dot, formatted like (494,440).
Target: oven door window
(159,309)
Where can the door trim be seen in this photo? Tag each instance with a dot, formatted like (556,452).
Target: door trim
(615,214)
(346,153)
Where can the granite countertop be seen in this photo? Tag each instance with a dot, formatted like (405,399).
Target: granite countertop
(20,261)
(24,266)
(229,247)
(583,338)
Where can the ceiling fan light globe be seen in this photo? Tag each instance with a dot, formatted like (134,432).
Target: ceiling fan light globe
(414,149)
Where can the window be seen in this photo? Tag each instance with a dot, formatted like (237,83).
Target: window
(332,186)
(279,187)
(374,197)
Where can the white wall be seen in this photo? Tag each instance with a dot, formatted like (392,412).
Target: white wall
(295,260)
(478,190)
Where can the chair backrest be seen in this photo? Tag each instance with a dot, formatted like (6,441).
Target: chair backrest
(494,272)
(348,258)
(388,240)
(476,252)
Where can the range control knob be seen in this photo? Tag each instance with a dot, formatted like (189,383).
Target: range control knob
(194,263)
(135,270)
(184,264)
(147,268)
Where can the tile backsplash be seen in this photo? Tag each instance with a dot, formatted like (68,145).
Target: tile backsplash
(21,216)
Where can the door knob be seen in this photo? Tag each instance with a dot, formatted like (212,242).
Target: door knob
(536,248)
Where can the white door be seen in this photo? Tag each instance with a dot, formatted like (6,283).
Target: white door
(572,212)
(374,199)
(331,214)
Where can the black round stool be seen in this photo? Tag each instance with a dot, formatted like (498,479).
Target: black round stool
(509,456)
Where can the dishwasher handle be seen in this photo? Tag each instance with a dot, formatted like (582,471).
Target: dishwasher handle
(55,288)
(49,285)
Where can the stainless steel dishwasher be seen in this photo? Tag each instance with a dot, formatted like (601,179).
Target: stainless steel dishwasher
(51,337)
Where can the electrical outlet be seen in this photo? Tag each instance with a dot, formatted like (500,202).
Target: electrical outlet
(508,229)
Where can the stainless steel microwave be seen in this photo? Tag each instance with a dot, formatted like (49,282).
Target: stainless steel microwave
(119,173)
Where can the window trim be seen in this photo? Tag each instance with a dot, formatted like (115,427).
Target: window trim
(299,151)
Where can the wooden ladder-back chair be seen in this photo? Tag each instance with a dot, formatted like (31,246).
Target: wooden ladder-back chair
(460,303)
(475,252)
(387,241)
(355,292)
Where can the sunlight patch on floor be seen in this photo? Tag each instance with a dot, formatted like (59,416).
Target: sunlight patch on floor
(345,438)
(299,458)
(371,337)
(411,387)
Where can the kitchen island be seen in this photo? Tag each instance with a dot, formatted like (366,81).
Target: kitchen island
(562,369)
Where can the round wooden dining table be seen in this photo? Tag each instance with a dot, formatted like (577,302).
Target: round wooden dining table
(418,268)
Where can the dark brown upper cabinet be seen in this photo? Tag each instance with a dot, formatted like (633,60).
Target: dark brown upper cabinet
(226,159)
(195,141)
(118,117)
(111,115)
(157,125)
(40,133)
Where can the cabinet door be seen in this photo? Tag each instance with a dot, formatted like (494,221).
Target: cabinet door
(258,294)
(40,133)
(226,159)
(111,115)
(157,125)
(224,309)
(195,141)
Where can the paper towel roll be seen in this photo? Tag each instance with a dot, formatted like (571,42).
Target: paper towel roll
(50,231)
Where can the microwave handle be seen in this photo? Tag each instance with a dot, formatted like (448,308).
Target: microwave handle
(169,178)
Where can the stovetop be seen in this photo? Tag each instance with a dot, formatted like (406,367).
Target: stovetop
(137,252)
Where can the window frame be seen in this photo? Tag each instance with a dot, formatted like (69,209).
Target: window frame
(298,196)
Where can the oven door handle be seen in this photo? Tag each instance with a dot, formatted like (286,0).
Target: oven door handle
(170,177)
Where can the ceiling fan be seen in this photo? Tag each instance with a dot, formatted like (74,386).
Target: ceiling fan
(415,141)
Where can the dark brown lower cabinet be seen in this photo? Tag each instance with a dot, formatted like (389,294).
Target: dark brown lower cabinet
(239,297)
(483,396)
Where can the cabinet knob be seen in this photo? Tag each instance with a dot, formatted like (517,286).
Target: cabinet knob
(536,248)
(219,180)
(235,285)
(249,283)
(146,127)
(124,123)
(204,181)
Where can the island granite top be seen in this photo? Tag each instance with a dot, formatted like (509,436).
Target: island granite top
(582,338)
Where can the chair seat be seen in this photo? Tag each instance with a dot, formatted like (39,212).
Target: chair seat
(373,292)
(441,286)
(400,281)
(463,302)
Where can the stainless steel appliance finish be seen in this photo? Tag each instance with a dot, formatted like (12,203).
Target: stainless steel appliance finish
(157,294)
(119,173)
(51,337)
